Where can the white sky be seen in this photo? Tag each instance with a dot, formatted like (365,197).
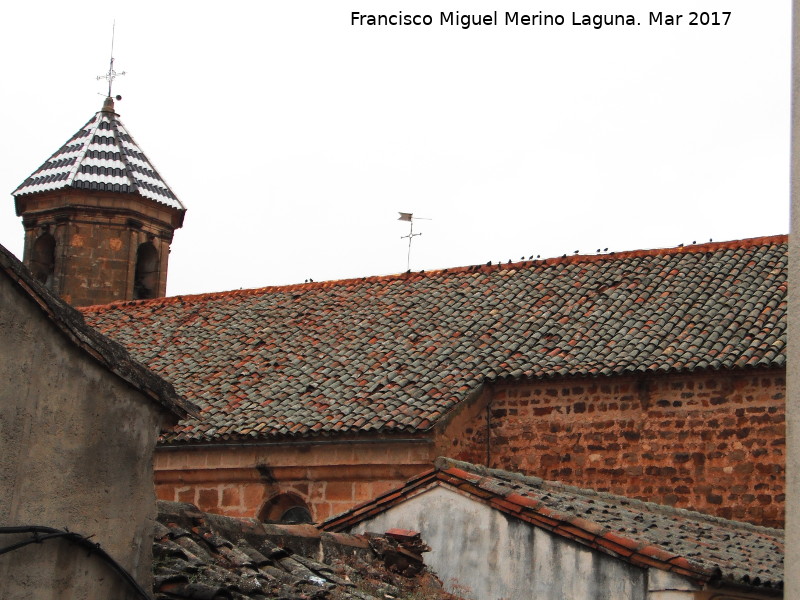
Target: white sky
(294,138)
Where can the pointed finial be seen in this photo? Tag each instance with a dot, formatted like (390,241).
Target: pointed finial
(112,74)
(108,105)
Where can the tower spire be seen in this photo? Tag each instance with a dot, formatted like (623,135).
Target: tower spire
(112,74)
(98,217)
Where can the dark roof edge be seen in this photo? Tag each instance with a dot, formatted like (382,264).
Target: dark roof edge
(108,353)
(323,438)
(382,503)
(601,538)
(587,258)
(443,463)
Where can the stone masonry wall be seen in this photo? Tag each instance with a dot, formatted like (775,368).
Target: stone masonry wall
(96,240)
(712,442)
(244,481)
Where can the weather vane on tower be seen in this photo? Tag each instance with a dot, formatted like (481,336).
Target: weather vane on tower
(112,74)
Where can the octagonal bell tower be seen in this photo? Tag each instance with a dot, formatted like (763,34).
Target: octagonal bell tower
(98,218)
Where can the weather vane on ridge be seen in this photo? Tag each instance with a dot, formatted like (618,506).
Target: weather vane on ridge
(410,218)
(112,74)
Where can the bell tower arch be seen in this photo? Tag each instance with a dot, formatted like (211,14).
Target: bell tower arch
(98,217)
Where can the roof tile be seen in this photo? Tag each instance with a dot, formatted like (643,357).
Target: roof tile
(394,354)
(101,156)
(698,546)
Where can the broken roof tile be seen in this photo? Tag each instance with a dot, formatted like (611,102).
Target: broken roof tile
(224,557)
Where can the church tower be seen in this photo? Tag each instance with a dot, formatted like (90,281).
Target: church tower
(98,217)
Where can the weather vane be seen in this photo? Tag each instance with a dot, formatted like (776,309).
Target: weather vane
(411,235)
(112,74)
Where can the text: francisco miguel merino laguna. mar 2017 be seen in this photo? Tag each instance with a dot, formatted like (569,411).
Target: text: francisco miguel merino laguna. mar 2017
(541,19)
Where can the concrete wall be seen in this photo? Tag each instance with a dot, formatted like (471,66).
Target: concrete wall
(713,441)
(76,446)
(480,553)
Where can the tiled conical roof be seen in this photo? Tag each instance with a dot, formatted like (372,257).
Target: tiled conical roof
(101,156)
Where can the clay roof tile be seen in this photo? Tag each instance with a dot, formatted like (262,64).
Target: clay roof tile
(406,349)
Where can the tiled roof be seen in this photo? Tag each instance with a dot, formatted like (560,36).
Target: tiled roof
(198,556)
(703,548)
(101,156)
(108,353)
(394,354)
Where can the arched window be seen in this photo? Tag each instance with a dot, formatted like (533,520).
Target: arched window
(145,279)
(43,259)
(286,508)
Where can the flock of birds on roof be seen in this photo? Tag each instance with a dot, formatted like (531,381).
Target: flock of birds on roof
(538,256)
(576,252)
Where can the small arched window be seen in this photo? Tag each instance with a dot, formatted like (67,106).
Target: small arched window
(43,259)
(145,279)
(286,508)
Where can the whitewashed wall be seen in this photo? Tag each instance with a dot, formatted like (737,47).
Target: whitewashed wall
(480,553)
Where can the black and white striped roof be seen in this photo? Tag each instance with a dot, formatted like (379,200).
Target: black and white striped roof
(101,156)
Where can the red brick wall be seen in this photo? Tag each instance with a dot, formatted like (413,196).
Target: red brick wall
(713,442)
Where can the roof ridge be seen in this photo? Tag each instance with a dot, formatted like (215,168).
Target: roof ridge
(443,463)
(114,125)
(137,145)
(87,139)
(589,258)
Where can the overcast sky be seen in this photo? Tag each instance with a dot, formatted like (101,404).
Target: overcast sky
(294,137)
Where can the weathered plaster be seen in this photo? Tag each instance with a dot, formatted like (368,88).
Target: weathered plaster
(76,445)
